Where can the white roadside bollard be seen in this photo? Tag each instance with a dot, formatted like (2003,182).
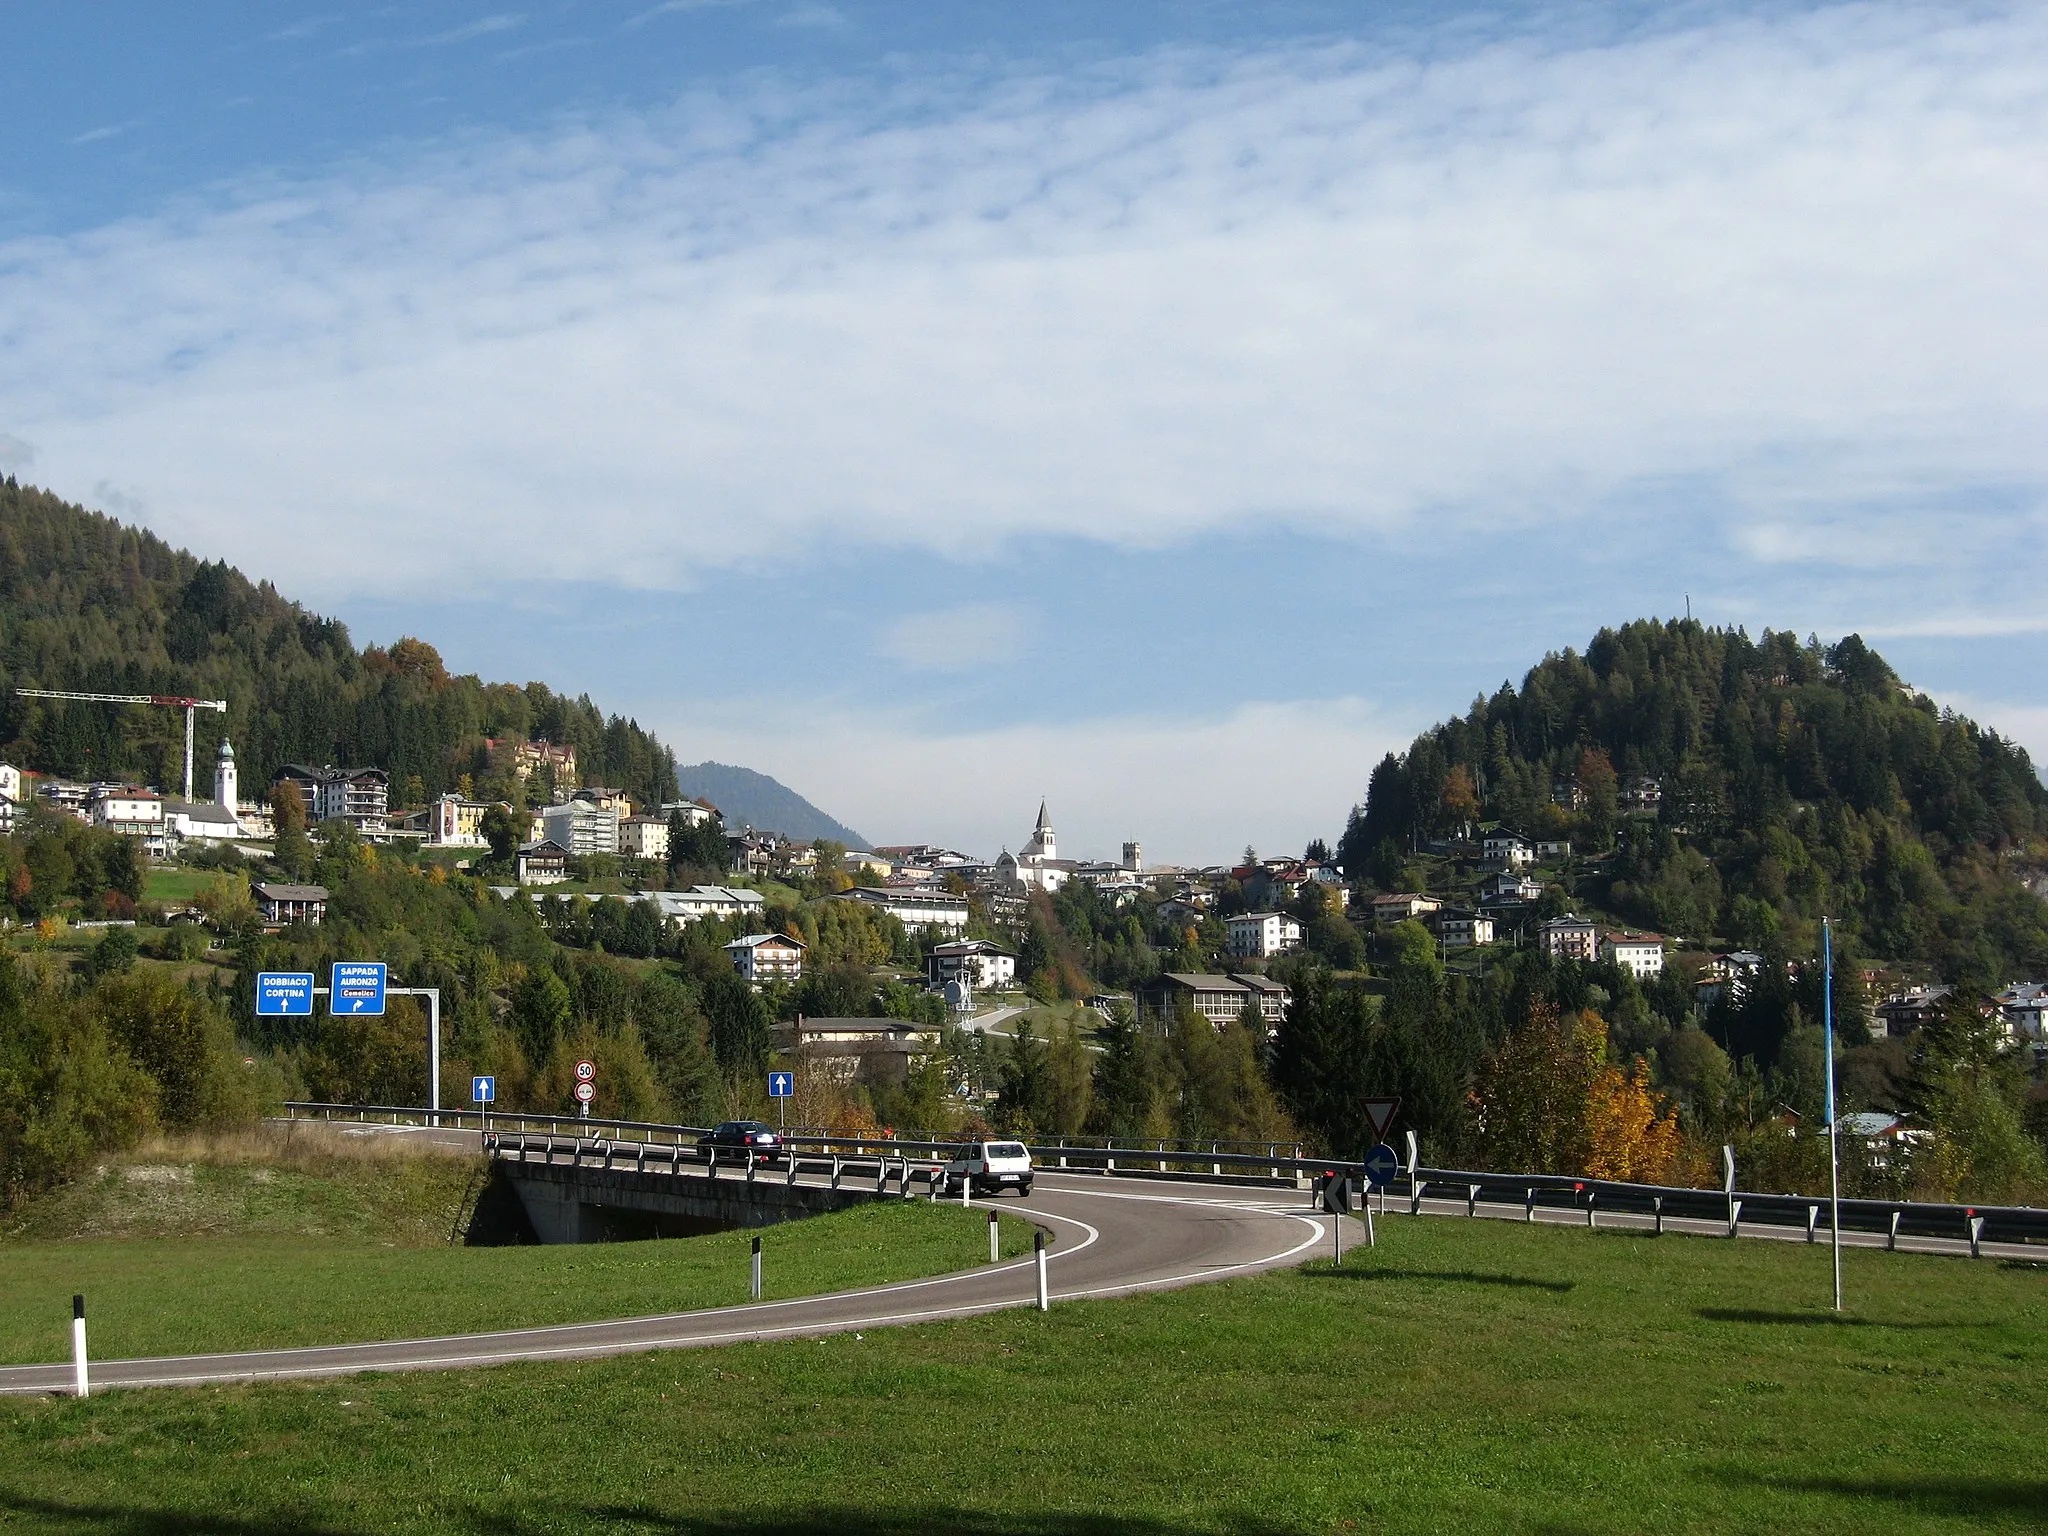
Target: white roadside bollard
(1038,1247)
(756,1279)
(995,1239)
(78,1343)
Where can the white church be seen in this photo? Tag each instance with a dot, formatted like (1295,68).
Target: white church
(215,821)
(1041,866)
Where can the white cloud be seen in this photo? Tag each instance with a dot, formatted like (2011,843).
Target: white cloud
(816,17)
(483,26)
(1792,260)
(1274,774)
(14,453)
(677,8)
(962,639)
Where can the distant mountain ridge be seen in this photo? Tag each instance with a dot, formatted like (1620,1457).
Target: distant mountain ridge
(747,798)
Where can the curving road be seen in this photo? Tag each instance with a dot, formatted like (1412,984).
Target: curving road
(1102,1241)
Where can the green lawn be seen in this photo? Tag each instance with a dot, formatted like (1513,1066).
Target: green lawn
(175,887)
(1465,1377)
(191,1295)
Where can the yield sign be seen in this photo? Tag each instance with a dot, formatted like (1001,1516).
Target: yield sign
(1381,1113)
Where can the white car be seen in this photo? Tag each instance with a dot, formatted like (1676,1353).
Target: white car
(989,1168)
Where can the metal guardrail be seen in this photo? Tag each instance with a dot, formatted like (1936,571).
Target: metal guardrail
(602,1152)
(647,1142)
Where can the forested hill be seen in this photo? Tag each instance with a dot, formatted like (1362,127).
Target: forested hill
(89,604)
(1738,790)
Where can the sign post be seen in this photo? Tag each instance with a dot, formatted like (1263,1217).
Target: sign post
(782,1088)
(1380,1112)
(357,988)
(1827,1013)
(1382,1163)
(586,1086)
(483,1092)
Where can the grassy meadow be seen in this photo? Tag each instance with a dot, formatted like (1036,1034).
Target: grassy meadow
(271,1240)
(1465,1376)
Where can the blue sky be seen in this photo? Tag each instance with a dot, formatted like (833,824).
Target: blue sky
(1163,408)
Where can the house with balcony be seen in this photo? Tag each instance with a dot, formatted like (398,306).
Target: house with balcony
(1219,999)
(1401,906)
(542,863)
(1460,928)
(979,963)
(359,796)
(1570,937)
(765,957)
(1509,850)
(282,904)
(1260,935)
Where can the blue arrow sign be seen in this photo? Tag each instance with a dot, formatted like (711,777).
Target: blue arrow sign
(781,1085)
(283,993)
(357,987)
(1381,1164)
(483,1090)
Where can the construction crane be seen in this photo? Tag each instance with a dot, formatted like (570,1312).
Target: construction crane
(190,706)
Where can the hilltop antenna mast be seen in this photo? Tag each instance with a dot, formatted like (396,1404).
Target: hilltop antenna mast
(176,701)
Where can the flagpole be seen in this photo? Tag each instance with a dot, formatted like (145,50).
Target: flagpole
(1827,1013)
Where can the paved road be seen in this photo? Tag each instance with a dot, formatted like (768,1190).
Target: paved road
(1104,1241)
(1106,1238)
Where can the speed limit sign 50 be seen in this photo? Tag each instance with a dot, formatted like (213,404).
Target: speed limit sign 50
(585,1092)
(586,1071)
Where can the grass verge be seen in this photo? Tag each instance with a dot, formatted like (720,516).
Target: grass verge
(262,1241)
(1463,1377)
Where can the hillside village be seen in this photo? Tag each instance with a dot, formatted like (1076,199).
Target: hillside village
(1227,937)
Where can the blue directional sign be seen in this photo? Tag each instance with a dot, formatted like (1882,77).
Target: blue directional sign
(483,1090)
(357,987)
(282,993)
(781,1085)
(1381,1164)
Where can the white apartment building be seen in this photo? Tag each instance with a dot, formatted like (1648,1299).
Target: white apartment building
(1259,935)
(1642,953)
(978,962)
(582,827)
(1510,850)
(916,908)
(1457,928)
(763,957)
(123,808)
(643,837)
(706,901)
(359,796)
(1570,937)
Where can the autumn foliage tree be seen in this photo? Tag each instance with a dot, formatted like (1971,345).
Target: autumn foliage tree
(1548,1101)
